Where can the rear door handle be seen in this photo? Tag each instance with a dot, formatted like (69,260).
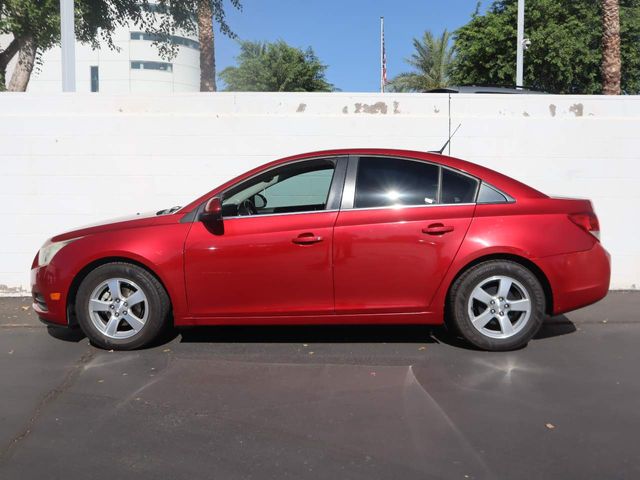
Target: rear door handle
(307,239)
(437,229)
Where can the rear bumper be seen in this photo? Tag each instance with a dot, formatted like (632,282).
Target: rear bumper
(49,296)
(577,279)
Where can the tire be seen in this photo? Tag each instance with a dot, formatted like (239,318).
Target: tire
(127,321)
(511,320)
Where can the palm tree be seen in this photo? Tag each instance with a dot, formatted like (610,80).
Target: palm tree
(611,63)
(207,52)
(207,12)
(431,62)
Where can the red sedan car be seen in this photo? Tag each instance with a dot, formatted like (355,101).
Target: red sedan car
(363,236)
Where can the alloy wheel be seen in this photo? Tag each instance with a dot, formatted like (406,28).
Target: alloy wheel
(118,308)
(499,307)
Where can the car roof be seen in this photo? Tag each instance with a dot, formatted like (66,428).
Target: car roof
(509,185)
(484,89)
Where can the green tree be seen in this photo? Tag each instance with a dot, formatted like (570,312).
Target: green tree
(35,26)
(431,62)
(195,17)
(275,67)
(565,55)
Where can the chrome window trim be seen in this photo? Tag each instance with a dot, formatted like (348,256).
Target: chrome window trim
(405,207)
(348,197)
(280,214)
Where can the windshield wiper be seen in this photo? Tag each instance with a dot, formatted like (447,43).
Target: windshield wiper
(168,211)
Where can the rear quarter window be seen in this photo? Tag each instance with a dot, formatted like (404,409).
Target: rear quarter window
(488,194)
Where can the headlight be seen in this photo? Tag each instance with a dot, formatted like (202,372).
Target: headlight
(47,252)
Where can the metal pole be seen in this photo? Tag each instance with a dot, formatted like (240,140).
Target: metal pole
(382,66)
(520,49)
(68,44)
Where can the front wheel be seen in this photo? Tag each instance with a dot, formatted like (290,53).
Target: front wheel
(497,305)
(121,306)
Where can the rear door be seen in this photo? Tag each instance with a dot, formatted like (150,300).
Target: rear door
(400,226)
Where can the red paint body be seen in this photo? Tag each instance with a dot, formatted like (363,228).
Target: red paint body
(380,265)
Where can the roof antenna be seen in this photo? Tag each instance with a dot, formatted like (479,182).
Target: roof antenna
(439,152)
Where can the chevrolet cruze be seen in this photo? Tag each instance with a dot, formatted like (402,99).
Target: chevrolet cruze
(364,236)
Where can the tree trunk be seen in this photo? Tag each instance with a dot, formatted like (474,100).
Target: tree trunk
(5,57)
(24,67)
(611,62)
(207,53)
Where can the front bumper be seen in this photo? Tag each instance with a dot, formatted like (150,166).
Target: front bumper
(577,279)
(49,295)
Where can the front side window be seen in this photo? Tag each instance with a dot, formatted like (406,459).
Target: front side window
(388,182)
(299,187)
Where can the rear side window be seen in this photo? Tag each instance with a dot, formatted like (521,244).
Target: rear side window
(457,188)
(386,182)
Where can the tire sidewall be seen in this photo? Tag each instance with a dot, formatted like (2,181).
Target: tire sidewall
(157,301)
(465,286)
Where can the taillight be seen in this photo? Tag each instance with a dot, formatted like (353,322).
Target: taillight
(587,221)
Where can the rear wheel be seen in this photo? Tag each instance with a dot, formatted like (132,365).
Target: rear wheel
(497,305)
(121,306)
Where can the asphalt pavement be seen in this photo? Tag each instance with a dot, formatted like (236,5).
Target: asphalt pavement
(332,402)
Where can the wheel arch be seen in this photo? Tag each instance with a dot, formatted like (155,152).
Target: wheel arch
(525,262)
(82,274)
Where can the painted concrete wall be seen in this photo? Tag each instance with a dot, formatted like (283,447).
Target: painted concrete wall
(72,159)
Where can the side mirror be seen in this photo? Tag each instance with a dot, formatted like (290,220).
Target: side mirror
(212,210)
(259,201)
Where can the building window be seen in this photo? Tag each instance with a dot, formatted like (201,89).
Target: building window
(95,79)
(176,40)
(155,8)
(140,65)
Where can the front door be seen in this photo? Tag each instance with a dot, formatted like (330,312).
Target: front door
(398,233)
(272,252)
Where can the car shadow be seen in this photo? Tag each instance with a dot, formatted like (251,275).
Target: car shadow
(555,327)
(308,334)
(552,327)
(66,334)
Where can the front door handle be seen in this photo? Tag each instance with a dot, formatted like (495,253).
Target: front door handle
(307,239)
(437,229)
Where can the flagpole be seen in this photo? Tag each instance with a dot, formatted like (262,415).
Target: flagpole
(382,55)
